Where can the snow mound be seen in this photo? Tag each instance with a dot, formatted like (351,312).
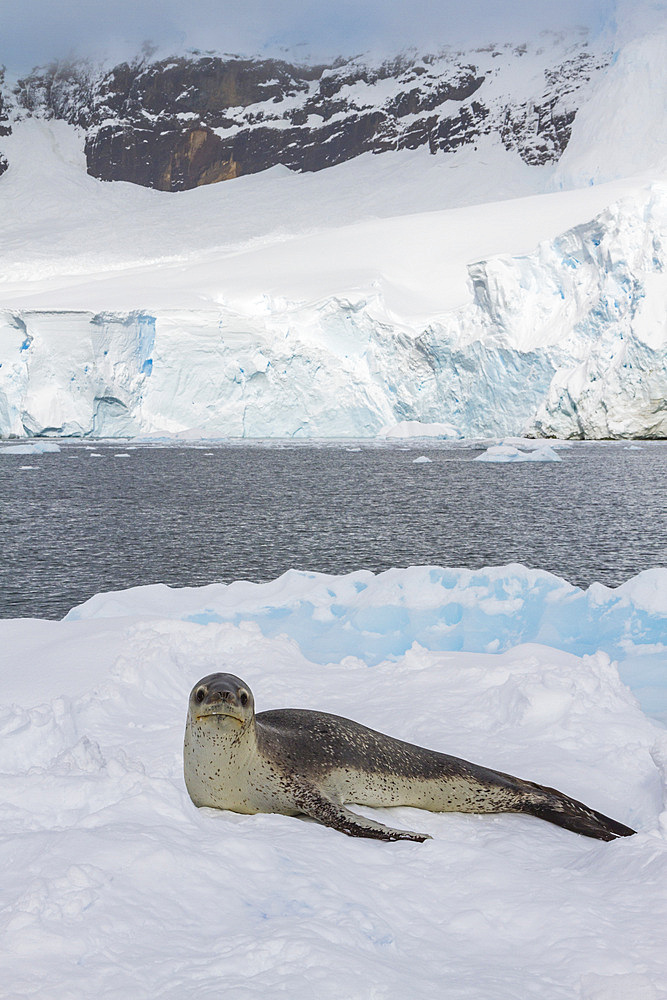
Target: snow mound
(437,609)
(508,453)
(99,833)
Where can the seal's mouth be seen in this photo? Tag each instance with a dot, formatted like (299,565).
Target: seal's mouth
(218,715)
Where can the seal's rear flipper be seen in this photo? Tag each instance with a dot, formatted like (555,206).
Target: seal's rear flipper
(560,809)
(313,803)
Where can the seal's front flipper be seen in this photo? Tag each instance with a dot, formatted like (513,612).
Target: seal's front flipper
(311,802)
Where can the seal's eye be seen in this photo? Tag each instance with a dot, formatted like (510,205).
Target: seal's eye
(243,698)
(201,694)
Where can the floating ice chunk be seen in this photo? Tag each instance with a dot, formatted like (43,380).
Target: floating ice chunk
(33,448)
(422,460)
(508,453)
(416,429)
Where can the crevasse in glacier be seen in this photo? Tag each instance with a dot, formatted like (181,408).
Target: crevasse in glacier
(567,341)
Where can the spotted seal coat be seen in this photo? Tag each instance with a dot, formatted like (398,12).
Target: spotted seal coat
(298,762)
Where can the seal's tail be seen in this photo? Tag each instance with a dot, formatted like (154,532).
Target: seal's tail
(549,804)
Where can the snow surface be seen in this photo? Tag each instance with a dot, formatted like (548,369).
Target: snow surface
(115,885)
(408,220)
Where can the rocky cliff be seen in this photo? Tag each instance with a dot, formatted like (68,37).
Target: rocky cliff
(177,123)
(5,127)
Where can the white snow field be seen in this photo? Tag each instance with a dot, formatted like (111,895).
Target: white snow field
(468,290)
(115,886)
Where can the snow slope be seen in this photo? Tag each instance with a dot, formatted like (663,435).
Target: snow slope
(78,243)
(621,130)
(114,885)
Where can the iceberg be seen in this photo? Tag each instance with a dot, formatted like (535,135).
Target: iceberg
(418,429)
(508,453)
(33,448)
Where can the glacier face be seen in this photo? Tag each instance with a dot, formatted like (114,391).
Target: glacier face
(72,373)
(569,341)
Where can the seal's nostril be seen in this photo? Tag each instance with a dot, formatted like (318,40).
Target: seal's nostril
(221,696)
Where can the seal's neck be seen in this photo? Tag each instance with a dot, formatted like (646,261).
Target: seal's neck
(218,752)
(227,733)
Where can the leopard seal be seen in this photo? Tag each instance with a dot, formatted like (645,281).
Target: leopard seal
(300,762)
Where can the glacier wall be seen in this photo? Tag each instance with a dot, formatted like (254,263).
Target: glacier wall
(569,341)
(73,373)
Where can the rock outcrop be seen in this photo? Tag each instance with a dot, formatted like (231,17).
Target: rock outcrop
(5,128)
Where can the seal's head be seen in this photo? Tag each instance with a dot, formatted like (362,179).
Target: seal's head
(220,739)
(221,699)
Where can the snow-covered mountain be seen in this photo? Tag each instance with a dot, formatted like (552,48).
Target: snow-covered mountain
(499,269)
(176,123)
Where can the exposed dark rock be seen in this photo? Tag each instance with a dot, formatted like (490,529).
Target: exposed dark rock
(64,90)
(540,130)
(171,161)
(414,101)
(5,127)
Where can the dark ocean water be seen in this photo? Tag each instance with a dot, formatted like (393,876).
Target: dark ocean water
(74,525)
